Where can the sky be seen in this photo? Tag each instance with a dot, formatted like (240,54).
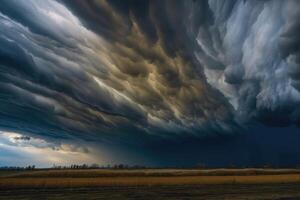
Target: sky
(150,82)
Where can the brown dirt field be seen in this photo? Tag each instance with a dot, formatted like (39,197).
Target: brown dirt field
(170,192)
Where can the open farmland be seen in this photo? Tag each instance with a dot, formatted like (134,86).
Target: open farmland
(162,183)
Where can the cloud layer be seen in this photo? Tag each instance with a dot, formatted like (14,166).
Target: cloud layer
(256,45)
(127,71)
(19,150)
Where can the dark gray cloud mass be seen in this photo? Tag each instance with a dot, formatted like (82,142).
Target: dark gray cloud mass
(258,49)
(124,70)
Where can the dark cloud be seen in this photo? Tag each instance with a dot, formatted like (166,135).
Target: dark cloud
(290,43)
(250,56)
(25,138)
(130,71)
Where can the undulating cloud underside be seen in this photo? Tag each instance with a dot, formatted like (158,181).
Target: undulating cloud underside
(124,70)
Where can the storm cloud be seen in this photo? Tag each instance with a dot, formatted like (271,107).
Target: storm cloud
(124,71)
(256,44)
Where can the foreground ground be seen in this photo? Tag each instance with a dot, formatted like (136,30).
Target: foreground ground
(175,192)
(250,184)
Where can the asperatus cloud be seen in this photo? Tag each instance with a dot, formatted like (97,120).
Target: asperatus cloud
(114,73)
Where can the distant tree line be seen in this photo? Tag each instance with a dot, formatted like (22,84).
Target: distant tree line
(126,166)
(29,167)
(97,166)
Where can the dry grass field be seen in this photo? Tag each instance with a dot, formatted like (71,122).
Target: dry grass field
(93,173)
(267,183)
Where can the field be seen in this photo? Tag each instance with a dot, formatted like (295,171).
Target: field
(151,184)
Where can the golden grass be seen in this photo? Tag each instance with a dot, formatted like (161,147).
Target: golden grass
(93,173)
(143,180)
(104,177)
